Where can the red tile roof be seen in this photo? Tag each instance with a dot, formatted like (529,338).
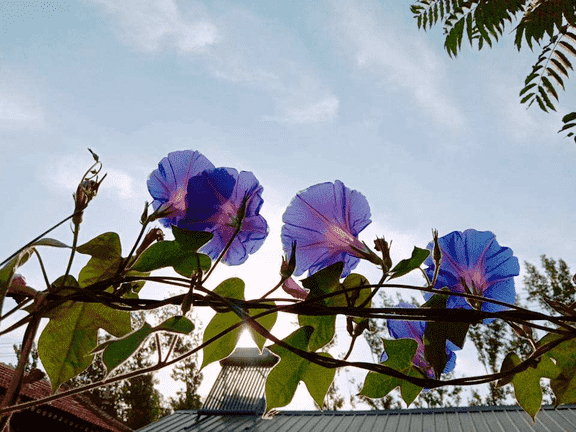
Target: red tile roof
(77,405)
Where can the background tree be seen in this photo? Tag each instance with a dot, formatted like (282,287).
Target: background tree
(495,340)
(32,361)
(186,371)
(557,284)
(550,22)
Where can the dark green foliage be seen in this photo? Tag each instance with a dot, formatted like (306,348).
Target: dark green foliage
(492,342)
(140,399)
(556,284)
(32,360)
(187,371)
(497,339)
(483,21)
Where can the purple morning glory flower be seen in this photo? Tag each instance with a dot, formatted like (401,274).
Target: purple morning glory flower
(325,221)
(486,267)
(415,330)
(168,184)
(214,199)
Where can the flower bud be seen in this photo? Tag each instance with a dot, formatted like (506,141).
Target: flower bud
(437,251)
(155,234)
(85,192)
(18,289)
(288,264)
(144,216)
(381,246)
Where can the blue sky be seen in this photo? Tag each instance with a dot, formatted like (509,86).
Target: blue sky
(297,92)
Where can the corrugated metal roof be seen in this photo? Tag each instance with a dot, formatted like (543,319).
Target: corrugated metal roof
(462,419)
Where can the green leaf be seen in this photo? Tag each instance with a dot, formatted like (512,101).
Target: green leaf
(324,282)
(191,240)
(532,75)
(526,384)
(324,329)
(400,354)
(267,321)
(563,385)
(407,265)
(569,117)
(223,347)
(106,258)
(525,89)
(356,298)
(567,126)
(545,97)
(283,380)
(540,104)
(135,286)
(556,77)
(118,351)
(176,324)
(170,254)
(64,285)
(526,98)
(559,66)
(550,87)
(568,47)
(66,342)
(563,59)
(50,242)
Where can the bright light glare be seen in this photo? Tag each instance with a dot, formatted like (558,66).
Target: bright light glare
(245,340)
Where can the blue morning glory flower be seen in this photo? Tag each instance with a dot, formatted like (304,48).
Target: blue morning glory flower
(415,330)
(475,258)
(168,184)
(325,221)
(214,200)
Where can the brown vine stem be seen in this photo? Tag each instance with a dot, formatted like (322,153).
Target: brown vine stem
(13,391)
(321,360)
(423,382)
(239,308)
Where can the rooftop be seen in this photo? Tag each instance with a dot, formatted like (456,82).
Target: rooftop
(77,405)
(462,419)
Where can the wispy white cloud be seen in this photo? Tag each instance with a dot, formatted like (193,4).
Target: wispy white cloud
(149,24)
(374,43)
(121,183)
(235,46)
(323,110)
